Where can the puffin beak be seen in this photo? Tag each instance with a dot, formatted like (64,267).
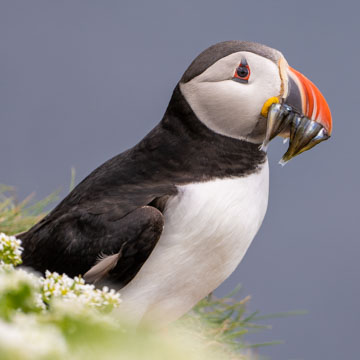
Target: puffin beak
(303,115)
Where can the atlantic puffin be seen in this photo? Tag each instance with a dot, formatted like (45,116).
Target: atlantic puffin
(168,220)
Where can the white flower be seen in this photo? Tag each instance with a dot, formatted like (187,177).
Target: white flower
(27,339)
(10,250)
(55,285)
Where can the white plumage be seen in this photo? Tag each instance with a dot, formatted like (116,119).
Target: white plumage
(208,229)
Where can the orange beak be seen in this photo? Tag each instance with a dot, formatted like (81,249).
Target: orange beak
(306,98)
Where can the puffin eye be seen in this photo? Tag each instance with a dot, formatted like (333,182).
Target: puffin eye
(242,72)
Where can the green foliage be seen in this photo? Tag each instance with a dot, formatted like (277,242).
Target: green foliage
(19,292)
(224,322)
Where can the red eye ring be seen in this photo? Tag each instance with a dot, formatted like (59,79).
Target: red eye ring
(242,72)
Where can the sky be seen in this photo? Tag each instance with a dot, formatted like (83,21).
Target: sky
(82,81)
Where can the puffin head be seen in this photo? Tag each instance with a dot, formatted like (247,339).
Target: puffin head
(232,85)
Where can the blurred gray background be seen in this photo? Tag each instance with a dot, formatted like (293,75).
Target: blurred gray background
(81,81)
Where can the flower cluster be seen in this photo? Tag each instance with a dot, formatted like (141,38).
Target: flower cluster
(10,250)
(55,285)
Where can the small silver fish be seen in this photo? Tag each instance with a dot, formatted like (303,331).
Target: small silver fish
(303,132)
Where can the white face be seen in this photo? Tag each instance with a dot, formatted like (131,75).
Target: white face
(233,108)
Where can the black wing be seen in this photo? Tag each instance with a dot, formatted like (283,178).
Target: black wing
(75,242)
(115,210)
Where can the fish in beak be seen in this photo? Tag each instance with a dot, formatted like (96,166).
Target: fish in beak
(302,115)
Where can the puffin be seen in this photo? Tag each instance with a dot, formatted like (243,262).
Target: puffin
(168,220)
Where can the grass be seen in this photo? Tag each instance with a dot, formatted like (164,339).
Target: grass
(16,217)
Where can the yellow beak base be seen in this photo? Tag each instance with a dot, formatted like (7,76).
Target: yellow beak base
(268,103)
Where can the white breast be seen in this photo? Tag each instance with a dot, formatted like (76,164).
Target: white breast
(208,228)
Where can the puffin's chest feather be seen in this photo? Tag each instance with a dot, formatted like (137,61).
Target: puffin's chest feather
(216,220)
(208,228)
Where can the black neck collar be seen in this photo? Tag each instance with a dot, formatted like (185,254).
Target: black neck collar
(184,145)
